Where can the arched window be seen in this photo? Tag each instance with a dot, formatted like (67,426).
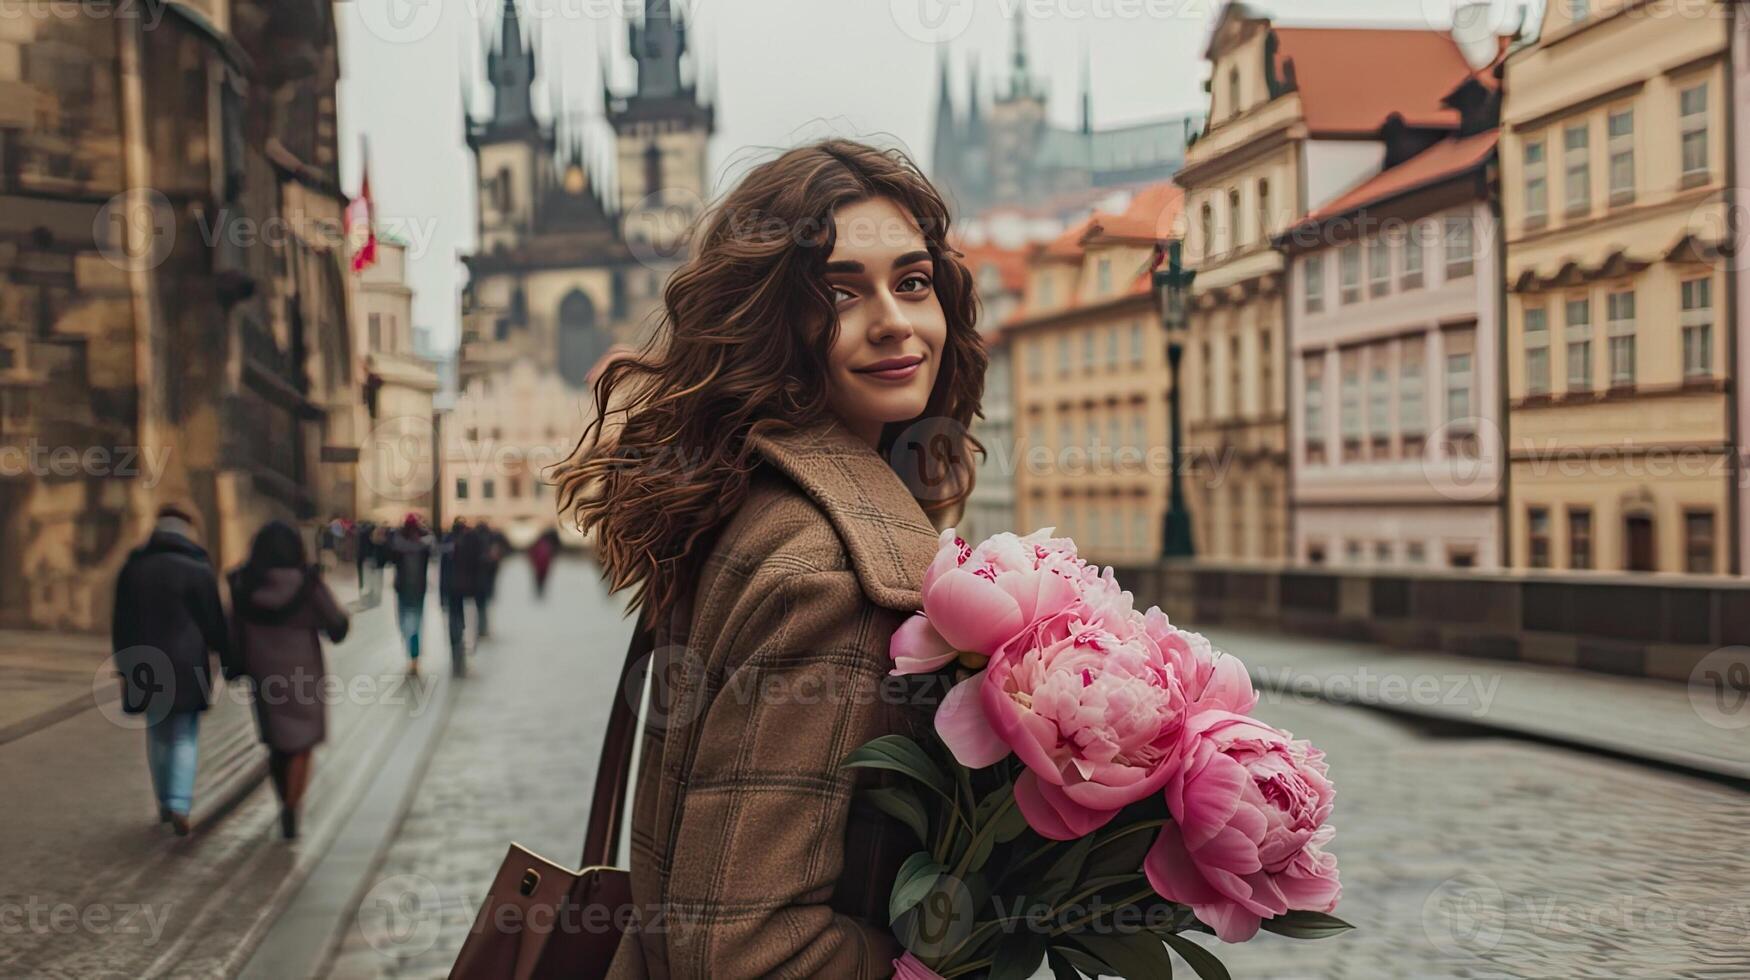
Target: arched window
(581,342)
(1264,208)
(1208,223)
(1233,91)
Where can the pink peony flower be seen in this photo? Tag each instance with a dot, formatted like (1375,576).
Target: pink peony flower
(1213,680)
(977,598)
(1249,807)
(1096,718)
(909,967)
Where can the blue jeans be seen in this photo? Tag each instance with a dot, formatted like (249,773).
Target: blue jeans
(411,613)
(172,751)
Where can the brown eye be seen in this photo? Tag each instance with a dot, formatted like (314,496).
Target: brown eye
(921,281)
(840,294)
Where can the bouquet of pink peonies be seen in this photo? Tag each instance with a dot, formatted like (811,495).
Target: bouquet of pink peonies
(1097,785)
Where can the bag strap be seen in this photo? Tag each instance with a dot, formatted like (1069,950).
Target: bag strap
(613,771)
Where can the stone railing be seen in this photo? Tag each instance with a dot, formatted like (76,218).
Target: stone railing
(1636,625)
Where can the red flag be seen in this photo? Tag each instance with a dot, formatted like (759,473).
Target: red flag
(361,230)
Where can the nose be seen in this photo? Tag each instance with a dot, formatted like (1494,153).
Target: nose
(891,321)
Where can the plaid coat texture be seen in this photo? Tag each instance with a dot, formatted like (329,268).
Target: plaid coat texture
(750,855)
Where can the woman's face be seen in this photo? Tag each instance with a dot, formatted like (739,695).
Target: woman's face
(884,361)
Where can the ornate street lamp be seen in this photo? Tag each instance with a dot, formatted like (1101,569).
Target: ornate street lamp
(1173,285)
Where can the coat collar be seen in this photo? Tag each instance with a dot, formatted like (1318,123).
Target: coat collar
(887,535)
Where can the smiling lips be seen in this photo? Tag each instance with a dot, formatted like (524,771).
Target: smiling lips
(893,368)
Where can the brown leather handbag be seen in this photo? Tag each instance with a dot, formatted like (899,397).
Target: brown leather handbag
(542,921)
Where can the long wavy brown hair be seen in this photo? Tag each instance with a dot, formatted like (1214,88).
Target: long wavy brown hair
(748,321)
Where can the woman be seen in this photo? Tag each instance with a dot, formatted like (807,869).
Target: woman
(541,555)
(741,485)
(279,605)
(411,548)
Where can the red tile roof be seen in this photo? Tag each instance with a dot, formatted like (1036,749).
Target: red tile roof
(1153,215)
(1445,159)
(1067,247)
(1351,79)
(1010,263)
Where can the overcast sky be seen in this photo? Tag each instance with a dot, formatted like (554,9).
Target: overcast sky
(784,71)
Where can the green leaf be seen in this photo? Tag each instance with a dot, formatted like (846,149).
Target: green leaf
(1018,955)
(1063,872)
(1087,963)
(916,876)
(1100,884)
(1011,825)
(987,807)
(902,755)
(1133,955)
(1197,958)
(1061,969)
(1306,925)
(1120,855)
(902,804)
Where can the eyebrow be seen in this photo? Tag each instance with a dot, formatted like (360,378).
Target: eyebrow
(853,266)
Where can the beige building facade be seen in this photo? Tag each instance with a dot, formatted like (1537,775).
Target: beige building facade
(1288,129)
(1089,376)
(1615,151)
(397,457)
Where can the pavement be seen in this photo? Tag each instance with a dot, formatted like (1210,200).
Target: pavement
(1687,727)
(101,889)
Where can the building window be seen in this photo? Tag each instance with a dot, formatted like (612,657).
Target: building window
(1536,183)
(1460,248)
(1063,355)
(1263,210)
(1351,272)
(1412,415)
(1112,347)
(1577,144)
(1698,328)
(1315,552)
(1620,328)
(1461,556)
(1087,350)
(1458,388)
(376,331)
(1035,360)
(1579,10)
(516,488)
(1234,378)
(1415,553)
(1412,278)
(1537,531)
(461,488)
(1622,156)
(1692,108)
(1379,404)
(1536,350)
(1379,267)
(1349,407)
(1578,337)
(1382,552)
(487,490)
(1579,537)
(1315,284)
(1103,275)
(1208,226)
(1698,542)
(1233,91)
(1136,343)
(1208,380)
(1352,552)
(1313,406)
(1233,219)
(1266,371)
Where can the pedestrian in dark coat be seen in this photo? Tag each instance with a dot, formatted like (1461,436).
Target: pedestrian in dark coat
(458,561)
(167,623)
(541,555)
(279,608)
(490,547)
(411,549)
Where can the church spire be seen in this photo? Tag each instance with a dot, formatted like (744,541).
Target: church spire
(512,70)
(1087,90)
(1020,80)
(658,42)
(945,151)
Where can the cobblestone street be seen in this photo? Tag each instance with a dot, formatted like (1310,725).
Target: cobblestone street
(1461,856)
(517,763)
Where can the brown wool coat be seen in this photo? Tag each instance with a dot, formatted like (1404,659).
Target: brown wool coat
(750,857)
